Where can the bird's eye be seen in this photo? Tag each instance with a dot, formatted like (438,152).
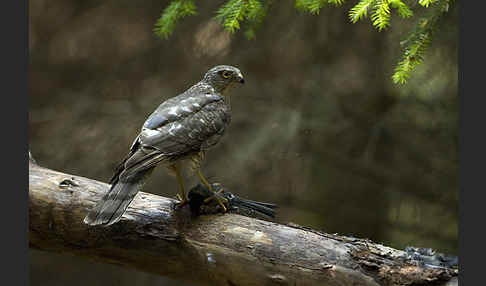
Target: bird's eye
(226,74)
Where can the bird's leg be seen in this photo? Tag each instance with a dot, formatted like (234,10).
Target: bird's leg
(203,179)
(183,199)
(221,200)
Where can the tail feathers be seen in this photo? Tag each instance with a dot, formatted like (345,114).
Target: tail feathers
(264,208)
(111,207)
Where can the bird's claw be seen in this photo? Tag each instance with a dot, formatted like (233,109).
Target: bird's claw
(222,201)
(182,201)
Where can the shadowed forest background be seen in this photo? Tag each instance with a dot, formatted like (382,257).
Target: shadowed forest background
(318,128)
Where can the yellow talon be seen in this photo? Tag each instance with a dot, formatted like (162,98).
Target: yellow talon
(222,205)
(219,199)
(207,184)
(207,200)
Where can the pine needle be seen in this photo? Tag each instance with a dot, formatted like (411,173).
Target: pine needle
(176,10)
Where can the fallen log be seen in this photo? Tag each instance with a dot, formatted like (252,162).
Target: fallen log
(228,249)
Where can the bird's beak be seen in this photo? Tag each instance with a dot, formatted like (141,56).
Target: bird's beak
(240,78)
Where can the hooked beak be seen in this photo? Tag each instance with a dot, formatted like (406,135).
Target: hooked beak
(240,78)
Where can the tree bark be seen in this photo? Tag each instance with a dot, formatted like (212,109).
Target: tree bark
(224,249)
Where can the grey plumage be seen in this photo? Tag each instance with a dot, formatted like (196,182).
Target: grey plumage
(180,129)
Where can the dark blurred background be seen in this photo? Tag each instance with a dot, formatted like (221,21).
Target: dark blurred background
(319,128)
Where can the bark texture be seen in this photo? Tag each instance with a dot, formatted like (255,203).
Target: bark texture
(211,250)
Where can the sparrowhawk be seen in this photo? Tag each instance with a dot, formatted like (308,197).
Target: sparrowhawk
(178,132)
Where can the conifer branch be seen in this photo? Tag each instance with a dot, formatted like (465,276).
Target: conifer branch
(256,16)
(402,8)
(176,10)
(233,13)
(381,15)
(426,3)
(418,40)
(360,10)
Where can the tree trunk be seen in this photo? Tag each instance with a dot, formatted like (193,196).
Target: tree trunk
(224,249)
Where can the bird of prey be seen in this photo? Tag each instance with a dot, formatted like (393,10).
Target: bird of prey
(176,135)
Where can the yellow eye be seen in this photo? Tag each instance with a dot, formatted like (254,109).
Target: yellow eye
(226,74)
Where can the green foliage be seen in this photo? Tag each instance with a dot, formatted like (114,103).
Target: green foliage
(314,6)
(233,13)
(256,18)
(176,10)
(426,3)
(360,10)
(381,15)
(402,8)
(415,45)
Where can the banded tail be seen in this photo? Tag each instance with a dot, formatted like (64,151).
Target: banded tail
(127,181)
(112,206)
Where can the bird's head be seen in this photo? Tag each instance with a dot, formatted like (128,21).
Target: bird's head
(222,78)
